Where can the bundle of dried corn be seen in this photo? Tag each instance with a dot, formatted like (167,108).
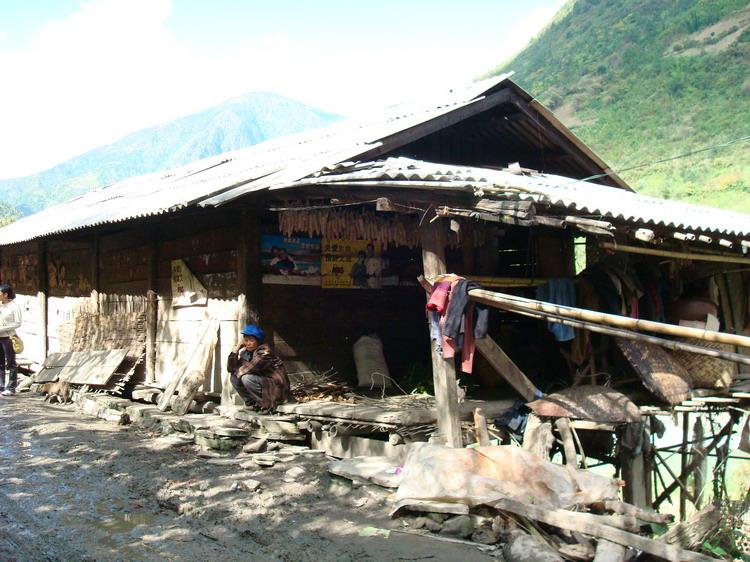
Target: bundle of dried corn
(347,224)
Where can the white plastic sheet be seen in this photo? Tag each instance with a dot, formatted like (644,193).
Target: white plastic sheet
(484,474)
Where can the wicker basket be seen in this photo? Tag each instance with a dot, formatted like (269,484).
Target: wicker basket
(706,371)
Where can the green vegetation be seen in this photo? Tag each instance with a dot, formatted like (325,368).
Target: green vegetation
(234,124)
(646,80)
(8,214)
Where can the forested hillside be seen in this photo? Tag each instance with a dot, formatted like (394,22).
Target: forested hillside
(646,80)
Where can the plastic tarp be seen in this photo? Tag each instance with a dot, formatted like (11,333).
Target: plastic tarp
(482,475)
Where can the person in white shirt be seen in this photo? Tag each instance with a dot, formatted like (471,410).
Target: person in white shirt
(10,320)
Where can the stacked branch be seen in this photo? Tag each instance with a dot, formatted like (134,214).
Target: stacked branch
(310,385)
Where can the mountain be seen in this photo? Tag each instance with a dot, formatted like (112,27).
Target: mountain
(646,80)
(236,123)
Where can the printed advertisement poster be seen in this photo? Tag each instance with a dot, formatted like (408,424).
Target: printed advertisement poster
(187,290)
(290,261)
(351,264)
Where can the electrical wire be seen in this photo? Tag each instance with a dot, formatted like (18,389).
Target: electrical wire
(663,160)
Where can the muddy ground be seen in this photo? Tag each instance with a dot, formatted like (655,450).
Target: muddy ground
(73,487)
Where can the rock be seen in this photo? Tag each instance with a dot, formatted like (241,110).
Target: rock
(209,439)
(274,446)
(257,446)
(230,431)
(427,523)
(115,416)
(461,526)
(438,517)
(486,535)
(251,485)
(294,473)
(248,485)
(224,461)
(525,548)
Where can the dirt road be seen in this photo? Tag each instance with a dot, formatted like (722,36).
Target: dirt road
(78,488)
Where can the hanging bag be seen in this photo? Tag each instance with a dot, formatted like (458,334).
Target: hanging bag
(17,343)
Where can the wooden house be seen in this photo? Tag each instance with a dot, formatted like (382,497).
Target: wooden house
(484,182)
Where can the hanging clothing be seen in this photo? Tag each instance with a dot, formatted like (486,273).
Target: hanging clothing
(461,321)
(559,291)
(438,300)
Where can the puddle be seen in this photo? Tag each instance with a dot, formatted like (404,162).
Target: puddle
(114,524)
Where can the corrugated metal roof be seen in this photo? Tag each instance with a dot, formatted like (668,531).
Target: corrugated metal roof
(320,157)
(221,178)
(572,195)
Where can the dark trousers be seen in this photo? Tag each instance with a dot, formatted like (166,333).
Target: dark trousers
(9,363)
(249,387)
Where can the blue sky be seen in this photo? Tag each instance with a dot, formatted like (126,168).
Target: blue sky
(77,74)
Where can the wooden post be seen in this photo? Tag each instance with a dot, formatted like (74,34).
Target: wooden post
(563,427)
(95,262)
(480,427)
(683,464)
(152,310)
(152,306)
(248,266)
(634,474)
(43,285)
(432,235)
(726,430)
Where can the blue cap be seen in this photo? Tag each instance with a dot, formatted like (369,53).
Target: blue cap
(253,330)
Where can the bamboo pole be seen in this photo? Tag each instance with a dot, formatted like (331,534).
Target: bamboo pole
(492,298)
(507,281)
(619,332)
(672,254)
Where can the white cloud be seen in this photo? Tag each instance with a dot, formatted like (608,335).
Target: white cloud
(114,67)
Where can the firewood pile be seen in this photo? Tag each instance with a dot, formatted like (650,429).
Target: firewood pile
(311,385)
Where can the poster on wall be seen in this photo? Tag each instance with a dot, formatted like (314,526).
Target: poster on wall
(187,290)
(351,264)
(290,260)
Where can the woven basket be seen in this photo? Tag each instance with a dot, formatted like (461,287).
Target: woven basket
(705,371)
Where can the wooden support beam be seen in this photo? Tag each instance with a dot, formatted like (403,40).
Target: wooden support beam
(95,262)
(152,313)
(480,427)
(507,368)
(634,474)
(432,234)
(416,132)
(42,296)
(152,308)
(249,266)
(694,256)
(684,492)
(725,431)
(563,427)
(591,525)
